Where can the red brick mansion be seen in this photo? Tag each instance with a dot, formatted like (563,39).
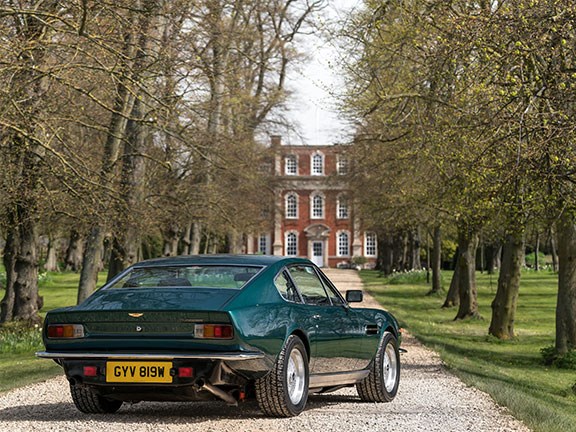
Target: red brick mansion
(313,215)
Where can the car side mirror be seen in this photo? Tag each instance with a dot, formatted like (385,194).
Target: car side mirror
(354,296)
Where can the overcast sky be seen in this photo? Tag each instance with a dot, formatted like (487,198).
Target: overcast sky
(312,105)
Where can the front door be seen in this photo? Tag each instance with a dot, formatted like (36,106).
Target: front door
(318,253)
(334,330)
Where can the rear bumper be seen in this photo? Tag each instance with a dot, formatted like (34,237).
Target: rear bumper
(228,357)
(233,370)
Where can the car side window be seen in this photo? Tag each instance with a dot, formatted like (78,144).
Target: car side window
(286,287)
(332,293)
(309,284)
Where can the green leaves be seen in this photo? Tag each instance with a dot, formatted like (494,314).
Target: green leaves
(480,97)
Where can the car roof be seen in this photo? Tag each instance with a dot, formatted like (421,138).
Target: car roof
(219,259)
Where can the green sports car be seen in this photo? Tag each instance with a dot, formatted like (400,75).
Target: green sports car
(225,327)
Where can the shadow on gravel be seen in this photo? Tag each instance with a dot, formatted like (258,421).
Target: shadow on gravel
(422,367)
(158,413)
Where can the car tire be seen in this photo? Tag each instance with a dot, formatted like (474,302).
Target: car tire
(381,385)
(90,403)
(284,391)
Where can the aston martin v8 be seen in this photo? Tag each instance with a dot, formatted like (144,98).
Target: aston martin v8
(224,327)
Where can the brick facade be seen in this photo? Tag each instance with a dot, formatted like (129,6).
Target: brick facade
(313,213)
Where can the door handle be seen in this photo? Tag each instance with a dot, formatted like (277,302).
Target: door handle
(371,329)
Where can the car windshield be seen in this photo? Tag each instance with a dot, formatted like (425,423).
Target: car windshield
(197,276)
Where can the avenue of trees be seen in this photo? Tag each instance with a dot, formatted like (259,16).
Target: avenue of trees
(465,125)
(130,128)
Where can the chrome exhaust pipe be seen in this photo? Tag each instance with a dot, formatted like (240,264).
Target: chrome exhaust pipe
(226,397)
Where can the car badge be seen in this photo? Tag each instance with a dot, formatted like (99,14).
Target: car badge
(138,328)
(136,315)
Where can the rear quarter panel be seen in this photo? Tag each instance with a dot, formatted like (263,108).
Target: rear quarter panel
(262,318)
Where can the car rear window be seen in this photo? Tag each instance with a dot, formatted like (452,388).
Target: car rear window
(205,276)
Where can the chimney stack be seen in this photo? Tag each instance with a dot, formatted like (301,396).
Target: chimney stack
(275,141)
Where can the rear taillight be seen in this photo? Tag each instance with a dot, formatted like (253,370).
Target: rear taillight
(90,371)
(185,372)
(65,331)
(213,331)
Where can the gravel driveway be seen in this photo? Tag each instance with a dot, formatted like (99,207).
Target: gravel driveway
(429,399)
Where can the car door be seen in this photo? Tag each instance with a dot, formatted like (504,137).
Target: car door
(334,334)
(360,331)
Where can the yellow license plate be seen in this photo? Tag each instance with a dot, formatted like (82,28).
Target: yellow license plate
(138,372)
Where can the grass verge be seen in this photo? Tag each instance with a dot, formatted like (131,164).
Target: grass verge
(512,372)
(18,365)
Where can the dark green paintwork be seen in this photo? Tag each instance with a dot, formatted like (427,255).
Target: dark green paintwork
(334,335)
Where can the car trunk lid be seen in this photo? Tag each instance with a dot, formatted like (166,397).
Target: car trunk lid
(147,312)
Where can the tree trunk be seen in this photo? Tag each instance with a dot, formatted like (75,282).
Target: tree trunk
(127,239)
(489,257)
(23,140)
(91,263)
(116,132)
(436,263)
(385,254)
(553,250)
(504,304)
(415,242)
(196,238)
(124,252)
(214,246)
(171,238)
(400,249)
(467,244)
(9,260)
(27,302)
(51,263)
(497,256)
(536,252)
(566,301)
(234,242)
(186,240)
(74,252)
(21,300)
(482,257)
(453,295)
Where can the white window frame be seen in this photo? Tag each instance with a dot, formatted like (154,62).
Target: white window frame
(313,208)
(339,244)
(290,169)
(317,169)
(342,165)
(289,247)
(370,237)
(287,207)
(342,207)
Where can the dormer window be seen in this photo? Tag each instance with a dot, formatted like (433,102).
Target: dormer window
(317,164)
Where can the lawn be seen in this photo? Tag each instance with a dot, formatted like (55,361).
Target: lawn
(18,366)
(512,372)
